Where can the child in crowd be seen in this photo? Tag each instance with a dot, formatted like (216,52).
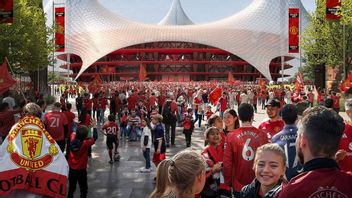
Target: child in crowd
(216,121)
(269,159)
(162,186)
(208,113)
(159,140)
(133,126)
(188,126)
(123,122)
(213,155)
(187,174)
(146,143)
(78,160)
(111,130)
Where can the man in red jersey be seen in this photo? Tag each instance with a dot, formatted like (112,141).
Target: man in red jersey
(110,129)
(70,117)
(88,103)
(240,148)
(274,124)
(57,125)
(344,154)
(132,100)
(317,142)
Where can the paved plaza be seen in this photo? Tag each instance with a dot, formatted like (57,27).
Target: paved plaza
(123,179)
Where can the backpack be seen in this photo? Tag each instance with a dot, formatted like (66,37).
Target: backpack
(168,117)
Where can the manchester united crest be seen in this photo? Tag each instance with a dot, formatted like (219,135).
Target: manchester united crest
(29,134)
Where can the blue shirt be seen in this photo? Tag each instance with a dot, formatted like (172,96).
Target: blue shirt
(286,139)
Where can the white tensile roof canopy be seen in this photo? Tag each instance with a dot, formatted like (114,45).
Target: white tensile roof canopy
(257,34)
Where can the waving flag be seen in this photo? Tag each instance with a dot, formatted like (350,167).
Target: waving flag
(96,84)
(31,160)
(6,80)
(299,82)
(215,95)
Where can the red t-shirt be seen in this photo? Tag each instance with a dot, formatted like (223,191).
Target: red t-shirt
(70,117)
(346,144)
(132,101)
(223,104)
(240,148)
(336,101)
(111,128)
(319,183)
(54,122)
(88,104)
(78,160)
(272,127)
(197,102)
(102,103)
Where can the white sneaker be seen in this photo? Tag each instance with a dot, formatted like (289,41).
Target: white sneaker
(144,170)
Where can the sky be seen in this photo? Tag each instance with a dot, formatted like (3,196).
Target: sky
(199,11)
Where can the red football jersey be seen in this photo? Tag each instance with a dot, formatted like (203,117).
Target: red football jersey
(54,122)
(324,182)
(240,148)
(272,127)
(346,144)
(111,128)
(70,117)
(88,103)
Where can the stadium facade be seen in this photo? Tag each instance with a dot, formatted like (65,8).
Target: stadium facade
(248,44)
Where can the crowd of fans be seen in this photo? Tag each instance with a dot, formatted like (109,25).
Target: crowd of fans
(277,159)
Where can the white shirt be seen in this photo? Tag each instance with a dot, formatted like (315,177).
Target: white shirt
(146,132)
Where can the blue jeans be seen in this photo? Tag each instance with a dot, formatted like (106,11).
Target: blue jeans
(146,155)
(136,133)
(198,117)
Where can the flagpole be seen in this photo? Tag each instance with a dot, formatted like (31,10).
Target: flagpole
(344,51)
(53,15)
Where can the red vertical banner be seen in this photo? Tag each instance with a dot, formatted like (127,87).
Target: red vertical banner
(60,31)
(6,11)
(332,7)
(293,30)
(142,73)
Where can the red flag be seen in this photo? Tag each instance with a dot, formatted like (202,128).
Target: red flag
(215,95)
(142,73)
(230,78)
(262,83)
(350,76)
(96,84)
(6,11)
(6,80)
(332,7)
(60,32)
(299,82)
(293,30)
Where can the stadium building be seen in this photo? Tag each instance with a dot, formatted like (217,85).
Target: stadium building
(250,44)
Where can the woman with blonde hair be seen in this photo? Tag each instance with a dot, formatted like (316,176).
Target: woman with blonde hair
(269,167)
(162,187)
(187,174)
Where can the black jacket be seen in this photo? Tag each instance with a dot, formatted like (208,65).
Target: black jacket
(252,189)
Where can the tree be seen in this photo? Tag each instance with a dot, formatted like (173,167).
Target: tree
(28,42)
(322,40)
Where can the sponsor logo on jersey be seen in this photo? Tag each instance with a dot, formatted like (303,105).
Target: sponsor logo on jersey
(328,192)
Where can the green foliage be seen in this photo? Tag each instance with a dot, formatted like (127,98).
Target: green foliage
(322,40)
(27,42)
(55,78)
